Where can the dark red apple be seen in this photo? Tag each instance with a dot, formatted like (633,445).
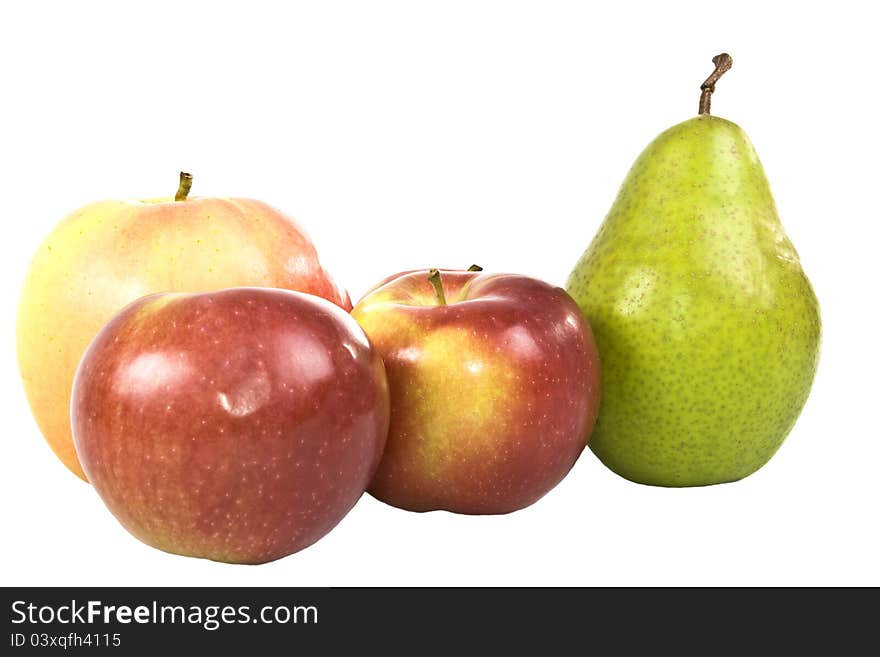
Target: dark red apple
(238,425)
(494,385)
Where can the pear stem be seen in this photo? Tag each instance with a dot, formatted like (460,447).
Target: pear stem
(437,282)
(475,268)
(186,183)
(722,62)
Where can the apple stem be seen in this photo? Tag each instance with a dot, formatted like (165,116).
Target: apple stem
(437,282)
(186,183)
(475,268)
(722,62)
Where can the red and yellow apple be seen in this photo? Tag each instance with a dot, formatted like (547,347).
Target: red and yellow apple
(108,254)
(238,425)
(494,384)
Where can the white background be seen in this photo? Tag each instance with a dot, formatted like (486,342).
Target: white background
(412,134)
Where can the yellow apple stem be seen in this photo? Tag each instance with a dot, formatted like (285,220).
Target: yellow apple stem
(475,268)
(437,282)
(722,62)
(186,183)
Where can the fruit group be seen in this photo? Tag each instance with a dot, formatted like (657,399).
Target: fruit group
(108,254)
(707,326)
(494,384)
(238,425)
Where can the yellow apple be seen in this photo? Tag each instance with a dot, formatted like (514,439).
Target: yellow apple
(107,254)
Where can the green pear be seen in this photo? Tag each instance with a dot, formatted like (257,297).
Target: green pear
(707,327)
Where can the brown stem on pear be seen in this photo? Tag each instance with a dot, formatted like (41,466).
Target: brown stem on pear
(186,183)
(475,268)
(722,62)
(434,277)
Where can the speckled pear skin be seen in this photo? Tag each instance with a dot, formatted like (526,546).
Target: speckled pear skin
(707,327)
